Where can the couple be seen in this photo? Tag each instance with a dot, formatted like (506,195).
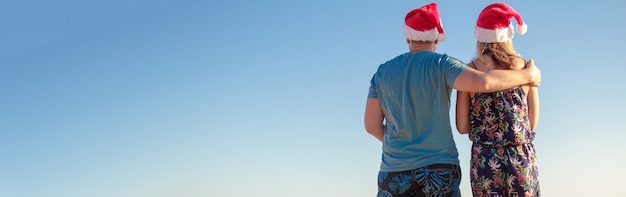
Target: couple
(497,104)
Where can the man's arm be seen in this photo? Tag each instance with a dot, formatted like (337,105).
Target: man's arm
(472,80)
(374,118)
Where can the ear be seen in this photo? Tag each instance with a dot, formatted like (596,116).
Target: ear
(437,41)
(408,41)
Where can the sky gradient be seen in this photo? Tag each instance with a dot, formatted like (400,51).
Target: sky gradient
(238,98)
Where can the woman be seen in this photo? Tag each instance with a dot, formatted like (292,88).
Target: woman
(500,124)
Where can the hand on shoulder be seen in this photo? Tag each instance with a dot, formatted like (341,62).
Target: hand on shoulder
(535,73)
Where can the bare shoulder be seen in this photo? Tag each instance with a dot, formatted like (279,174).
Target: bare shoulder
(518,63)
(485,64)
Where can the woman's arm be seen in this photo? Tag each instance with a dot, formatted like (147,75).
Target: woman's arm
(462,112)
(533,106)
(374,118)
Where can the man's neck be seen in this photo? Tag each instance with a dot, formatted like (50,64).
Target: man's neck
(421,46)
(420,50)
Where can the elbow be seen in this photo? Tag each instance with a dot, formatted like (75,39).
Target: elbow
(371,129)
(463,130)
(484,85)
(533,124)
(462,124)
(533,116)
(481,83)
(374,129)
(368,129)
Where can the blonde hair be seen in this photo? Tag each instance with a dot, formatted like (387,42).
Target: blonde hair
(500,52)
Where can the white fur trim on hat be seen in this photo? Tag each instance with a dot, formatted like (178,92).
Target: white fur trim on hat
(491,36)
(441,37)
(412,34)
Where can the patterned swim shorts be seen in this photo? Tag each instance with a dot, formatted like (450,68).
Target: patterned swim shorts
(437,180)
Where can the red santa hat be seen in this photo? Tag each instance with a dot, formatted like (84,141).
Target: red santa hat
(424,24)
(494,24)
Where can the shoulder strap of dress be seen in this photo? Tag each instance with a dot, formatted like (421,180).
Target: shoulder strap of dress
(471,64)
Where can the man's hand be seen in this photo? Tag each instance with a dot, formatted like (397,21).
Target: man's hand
(535,73)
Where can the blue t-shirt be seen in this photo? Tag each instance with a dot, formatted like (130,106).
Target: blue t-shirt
(414,90)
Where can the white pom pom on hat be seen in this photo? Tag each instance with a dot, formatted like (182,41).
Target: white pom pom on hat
(521,29)
(494,23)
(424,24)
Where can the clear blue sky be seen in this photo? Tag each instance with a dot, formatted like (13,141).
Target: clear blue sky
(158,98)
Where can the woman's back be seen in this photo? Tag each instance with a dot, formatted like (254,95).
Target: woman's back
(500,117)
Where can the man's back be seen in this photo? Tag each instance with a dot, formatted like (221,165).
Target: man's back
(414,90)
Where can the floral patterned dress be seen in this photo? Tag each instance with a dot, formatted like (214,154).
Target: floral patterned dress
(503,156)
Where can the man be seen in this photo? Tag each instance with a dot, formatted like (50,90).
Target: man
(411,94)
